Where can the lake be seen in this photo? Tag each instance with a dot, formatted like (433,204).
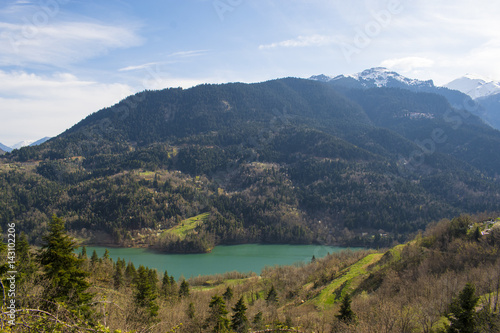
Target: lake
(242,258)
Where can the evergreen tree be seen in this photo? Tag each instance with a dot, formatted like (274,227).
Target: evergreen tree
(258,321)
(239,321)
(130,272)
(272,296)
(165,284)
(106,256)
(228,294)
(26,267)
(463,311)
(346,314)
(217,317)
(145,296)
(153,279)
(94,258)
(184,289)
(62,268)
(118,277)
(83,253)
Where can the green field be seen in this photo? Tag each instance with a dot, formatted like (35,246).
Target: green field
(347,281)
(186,226)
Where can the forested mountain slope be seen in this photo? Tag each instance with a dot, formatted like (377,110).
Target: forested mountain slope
(287,160)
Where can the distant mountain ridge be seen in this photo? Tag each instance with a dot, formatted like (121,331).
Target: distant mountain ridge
(476,95)
(475,86)
(25,143)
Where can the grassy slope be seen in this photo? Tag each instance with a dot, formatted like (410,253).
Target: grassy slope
(187,226)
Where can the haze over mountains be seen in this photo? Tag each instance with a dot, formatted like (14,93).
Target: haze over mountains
(262,162)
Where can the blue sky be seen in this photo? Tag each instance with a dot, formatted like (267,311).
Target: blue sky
(61,60)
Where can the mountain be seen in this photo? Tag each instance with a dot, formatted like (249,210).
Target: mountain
(375,77)
(5,148)
(474,86)
(22,144)
(457,92)
(39,142)
(282,161)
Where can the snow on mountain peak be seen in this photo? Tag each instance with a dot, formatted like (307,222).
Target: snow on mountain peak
(378,77)
(475,86)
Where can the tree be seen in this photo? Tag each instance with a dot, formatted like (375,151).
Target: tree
(94,258)
(118,276)
(272,296)
(239,321)
(258,321)
(228,294)
(184,289)
(346,314)
(83,254)
(463,311)
(217,316)
(62,268)
(145,296)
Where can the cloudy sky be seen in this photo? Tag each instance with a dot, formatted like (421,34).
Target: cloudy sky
(61,60)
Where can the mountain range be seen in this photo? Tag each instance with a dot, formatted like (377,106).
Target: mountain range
(477,95)
(351,160)
(24,143)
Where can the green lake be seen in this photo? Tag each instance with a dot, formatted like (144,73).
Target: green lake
(241,258)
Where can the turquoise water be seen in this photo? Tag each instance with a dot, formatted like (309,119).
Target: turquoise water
(241,258)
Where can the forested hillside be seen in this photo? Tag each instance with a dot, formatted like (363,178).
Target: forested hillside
(445,280)
(283,161)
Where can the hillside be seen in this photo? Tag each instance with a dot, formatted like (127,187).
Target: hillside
(283,161)
(443,280)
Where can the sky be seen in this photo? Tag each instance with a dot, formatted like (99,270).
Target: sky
(61,60)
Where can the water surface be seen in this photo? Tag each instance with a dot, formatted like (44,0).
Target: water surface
(241,258)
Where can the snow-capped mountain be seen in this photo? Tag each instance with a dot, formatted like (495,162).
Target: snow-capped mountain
(24,143)
(475,86)
(375,77)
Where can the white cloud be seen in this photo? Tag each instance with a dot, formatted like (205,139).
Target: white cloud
(34,106)
(407,64)
(61,43)
(303,41)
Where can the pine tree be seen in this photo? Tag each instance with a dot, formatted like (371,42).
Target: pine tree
(228,294)
(62,268)
(217,317)
(272,296)
(106,256)
(130,272)
(184,289)
(258,321)
(145,297)
(346,314)
(94,258)
(239,321)
(165,284)
(463,311)
(83,253)
(118,276)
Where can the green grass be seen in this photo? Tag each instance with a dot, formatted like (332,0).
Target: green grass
(186,226)
(348,279)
